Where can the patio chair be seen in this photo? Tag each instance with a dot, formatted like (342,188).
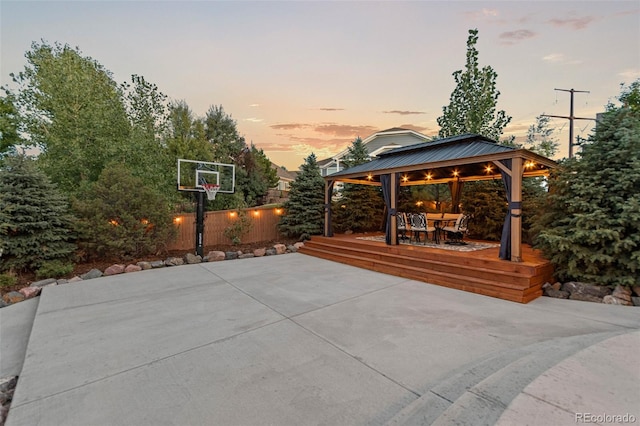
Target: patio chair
(456,232)
(419,225)
(401,221)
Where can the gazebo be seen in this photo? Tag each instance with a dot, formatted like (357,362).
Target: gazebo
(453,160)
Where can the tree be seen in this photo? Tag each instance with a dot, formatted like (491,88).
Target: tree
(72,110)
(540,138)
(222,134)
(255,176)
(590,228)
(9,124)
(360,207)
(148,116)
(35,223)
(472,106)
(118,216)
(304,210)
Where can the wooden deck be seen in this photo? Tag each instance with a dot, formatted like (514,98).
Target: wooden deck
(478,271)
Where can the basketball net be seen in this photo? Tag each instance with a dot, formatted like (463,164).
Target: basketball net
(211,189)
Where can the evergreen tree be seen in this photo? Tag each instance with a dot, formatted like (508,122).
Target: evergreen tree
(9,124)
(34,220)
(590,228)
(472,106)
(304,210)
(118,216)
(360,207)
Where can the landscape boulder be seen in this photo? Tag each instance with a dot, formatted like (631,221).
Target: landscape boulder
(192,259)
(44,283)
(114,270)
(94,273)
(585,292)
(132,268)
(144,265)
(174,261)
(30,292)
(13,297)
(215,256)
(231,255)
(280,248)
(260,252)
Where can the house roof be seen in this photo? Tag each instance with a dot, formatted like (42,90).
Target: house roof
(465,156)
(284,174)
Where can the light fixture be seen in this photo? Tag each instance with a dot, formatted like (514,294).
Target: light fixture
(405,178)
(455,173)
(428,176)
(488,169)
(369,176)
(177,220)
(232,214)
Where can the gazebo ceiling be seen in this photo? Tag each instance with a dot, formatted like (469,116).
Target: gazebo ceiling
(464,158)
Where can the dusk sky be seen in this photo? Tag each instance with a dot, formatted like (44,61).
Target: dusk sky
(302,77)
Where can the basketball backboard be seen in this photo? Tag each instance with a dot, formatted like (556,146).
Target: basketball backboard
(192,174)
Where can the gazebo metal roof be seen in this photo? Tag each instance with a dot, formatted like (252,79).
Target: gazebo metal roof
(465,157)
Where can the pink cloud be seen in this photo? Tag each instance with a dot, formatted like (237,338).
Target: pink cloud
(573,23)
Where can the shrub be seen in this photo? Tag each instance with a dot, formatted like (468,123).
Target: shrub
(8,279)
(118,216)
(240,226)
(54,269)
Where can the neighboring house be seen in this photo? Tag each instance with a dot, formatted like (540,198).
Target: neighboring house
(280,192)
(376,144)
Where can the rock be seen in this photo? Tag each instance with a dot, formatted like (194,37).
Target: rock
(114,270)
(94,273)
(30,292)
(75,279)
(299,245)
(587,292)
(157,264)
(231,255)
(174,261)
(622,293)
(292,248)
(280,248)
(44,283)
(132,268)
(610,300)
(8,383)
(259,252)
(348,232)
(556,286)
(3,303)
(270,252)
(192,259)
(635,300)
(144,265)
(13,297)
(215,256)
(585,297)
(636,290)
(246,256)
(558,294)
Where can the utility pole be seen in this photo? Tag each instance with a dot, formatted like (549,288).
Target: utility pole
(571,117)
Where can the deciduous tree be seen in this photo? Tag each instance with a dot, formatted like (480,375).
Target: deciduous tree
(472,105)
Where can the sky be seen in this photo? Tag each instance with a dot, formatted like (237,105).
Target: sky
(302,77)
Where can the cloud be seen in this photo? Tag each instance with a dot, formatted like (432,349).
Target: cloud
(511,37)
(554,57)
(631,74)
(344,129)
(573,23)
(419,129)
(289,126)
(331,109)
(481,14)
(254,105)
(254,120)
(395,111)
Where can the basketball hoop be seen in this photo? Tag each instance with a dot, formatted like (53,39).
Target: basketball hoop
(211,189)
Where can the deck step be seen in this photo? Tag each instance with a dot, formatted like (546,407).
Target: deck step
(518,282)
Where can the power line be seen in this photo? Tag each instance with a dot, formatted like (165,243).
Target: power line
(571,117)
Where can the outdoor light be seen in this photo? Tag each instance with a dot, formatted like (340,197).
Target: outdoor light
(455,173)
(232,214)
(369,176)
(177,220)
(428,176)
(488,169)
(256,213)
(419,203)
(278,211)
(405,178)
(144,221)
(114,222)
(529,164)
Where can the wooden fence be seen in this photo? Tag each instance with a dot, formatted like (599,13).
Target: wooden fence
(263,227)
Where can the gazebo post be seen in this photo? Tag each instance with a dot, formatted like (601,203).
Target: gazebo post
(516,209)
(393,223)
(328,190)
